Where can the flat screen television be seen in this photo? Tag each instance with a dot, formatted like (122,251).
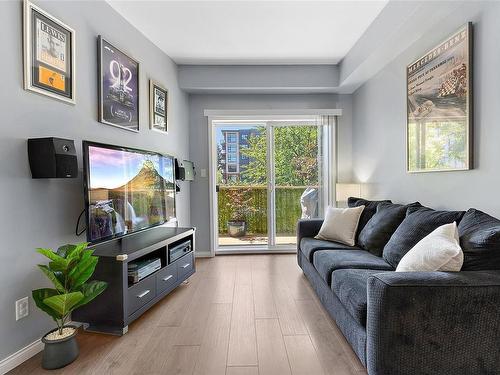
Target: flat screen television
(126,190)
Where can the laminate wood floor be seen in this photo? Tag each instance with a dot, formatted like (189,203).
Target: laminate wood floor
(238,315)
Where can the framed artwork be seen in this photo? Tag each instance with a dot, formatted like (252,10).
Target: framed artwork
(158,103)
(49,55)
(439,106)
(118,87)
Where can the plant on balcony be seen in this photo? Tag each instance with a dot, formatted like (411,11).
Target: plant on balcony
(69,270)
(241,206)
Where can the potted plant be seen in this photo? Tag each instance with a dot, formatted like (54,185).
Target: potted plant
(240,206)
(69,269)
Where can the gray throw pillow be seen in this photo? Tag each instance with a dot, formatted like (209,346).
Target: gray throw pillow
(419,222)
(379,229)
(368,212)
(480,241)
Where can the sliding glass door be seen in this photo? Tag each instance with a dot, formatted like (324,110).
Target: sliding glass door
(267,175)
(242,198)
(297,164)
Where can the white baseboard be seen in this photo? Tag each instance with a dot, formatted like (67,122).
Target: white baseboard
(22,355)
(203,254)
(14,360)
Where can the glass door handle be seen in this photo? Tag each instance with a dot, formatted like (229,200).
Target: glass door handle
(216,188)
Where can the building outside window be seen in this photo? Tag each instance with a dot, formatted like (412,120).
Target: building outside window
(231,158)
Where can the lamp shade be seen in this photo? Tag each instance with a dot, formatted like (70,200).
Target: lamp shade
(344,191)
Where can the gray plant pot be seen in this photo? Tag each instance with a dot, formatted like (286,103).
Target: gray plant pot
(236,228)
(59,353)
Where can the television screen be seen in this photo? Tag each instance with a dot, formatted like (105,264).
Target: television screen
(126,189)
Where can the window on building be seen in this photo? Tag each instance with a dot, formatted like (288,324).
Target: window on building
(232,138)
(231,168)
(232,158)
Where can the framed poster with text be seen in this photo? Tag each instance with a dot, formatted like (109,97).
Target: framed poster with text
(118,87)
(49,55)
(439,106)
(158,103)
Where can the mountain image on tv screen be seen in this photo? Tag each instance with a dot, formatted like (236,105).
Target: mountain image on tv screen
(128,190)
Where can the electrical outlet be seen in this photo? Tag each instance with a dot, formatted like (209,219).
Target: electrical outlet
(22,308)
(203,172)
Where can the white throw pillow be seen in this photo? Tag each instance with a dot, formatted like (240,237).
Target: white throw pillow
(340,224)
(438,251)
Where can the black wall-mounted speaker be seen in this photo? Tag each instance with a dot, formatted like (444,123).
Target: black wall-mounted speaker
(52,158)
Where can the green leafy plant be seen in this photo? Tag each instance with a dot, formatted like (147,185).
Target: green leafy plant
(241,204)
(69,269)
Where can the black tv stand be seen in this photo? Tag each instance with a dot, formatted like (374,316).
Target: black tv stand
(123,301)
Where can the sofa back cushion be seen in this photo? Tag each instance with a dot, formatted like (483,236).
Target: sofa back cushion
(368,212)
(419,222)
(379,229)
(480,241)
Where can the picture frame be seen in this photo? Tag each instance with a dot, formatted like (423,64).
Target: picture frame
(158,107)
(118,86)
(439,116)
(48,54)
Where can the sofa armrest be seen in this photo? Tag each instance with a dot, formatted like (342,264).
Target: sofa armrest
(433,323)
(307,228)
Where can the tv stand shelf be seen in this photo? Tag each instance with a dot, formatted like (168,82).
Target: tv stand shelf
(122,302)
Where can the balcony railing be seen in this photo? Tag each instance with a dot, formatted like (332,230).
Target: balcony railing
(288,208)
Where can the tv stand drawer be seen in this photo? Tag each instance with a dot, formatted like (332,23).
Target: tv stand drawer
(141,293)
(185,265)
(166,278)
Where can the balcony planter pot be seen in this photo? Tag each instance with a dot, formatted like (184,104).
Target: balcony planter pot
(61,352)
(237,228)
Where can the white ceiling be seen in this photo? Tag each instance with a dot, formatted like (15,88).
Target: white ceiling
(251,32)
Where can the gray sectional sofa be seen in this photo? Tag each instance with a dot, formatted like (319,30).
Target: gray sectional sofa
(410,322)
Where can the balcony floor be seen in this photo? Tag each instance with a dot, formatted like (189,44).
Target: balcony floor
(255,240)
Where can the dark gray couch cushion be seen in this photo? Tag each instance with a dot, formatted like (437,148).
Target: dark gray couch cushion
(350,286)
(419,222)
(327,261)
(368,212)
(379,229)
(480,240)
(309,245)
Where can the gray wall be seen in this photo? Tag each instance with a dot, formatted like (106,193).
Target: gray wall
(42,213)
(259,79)
(380,118)
(198,134)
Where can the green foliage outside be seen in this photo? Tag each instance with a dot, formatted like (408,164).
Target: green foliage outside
(288,209)
(69,270)
(295,157)
(437,145)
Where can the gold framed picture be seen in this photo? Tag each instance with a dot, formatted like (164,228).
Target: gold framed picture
(439,106)
(158,104)
(49,54)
